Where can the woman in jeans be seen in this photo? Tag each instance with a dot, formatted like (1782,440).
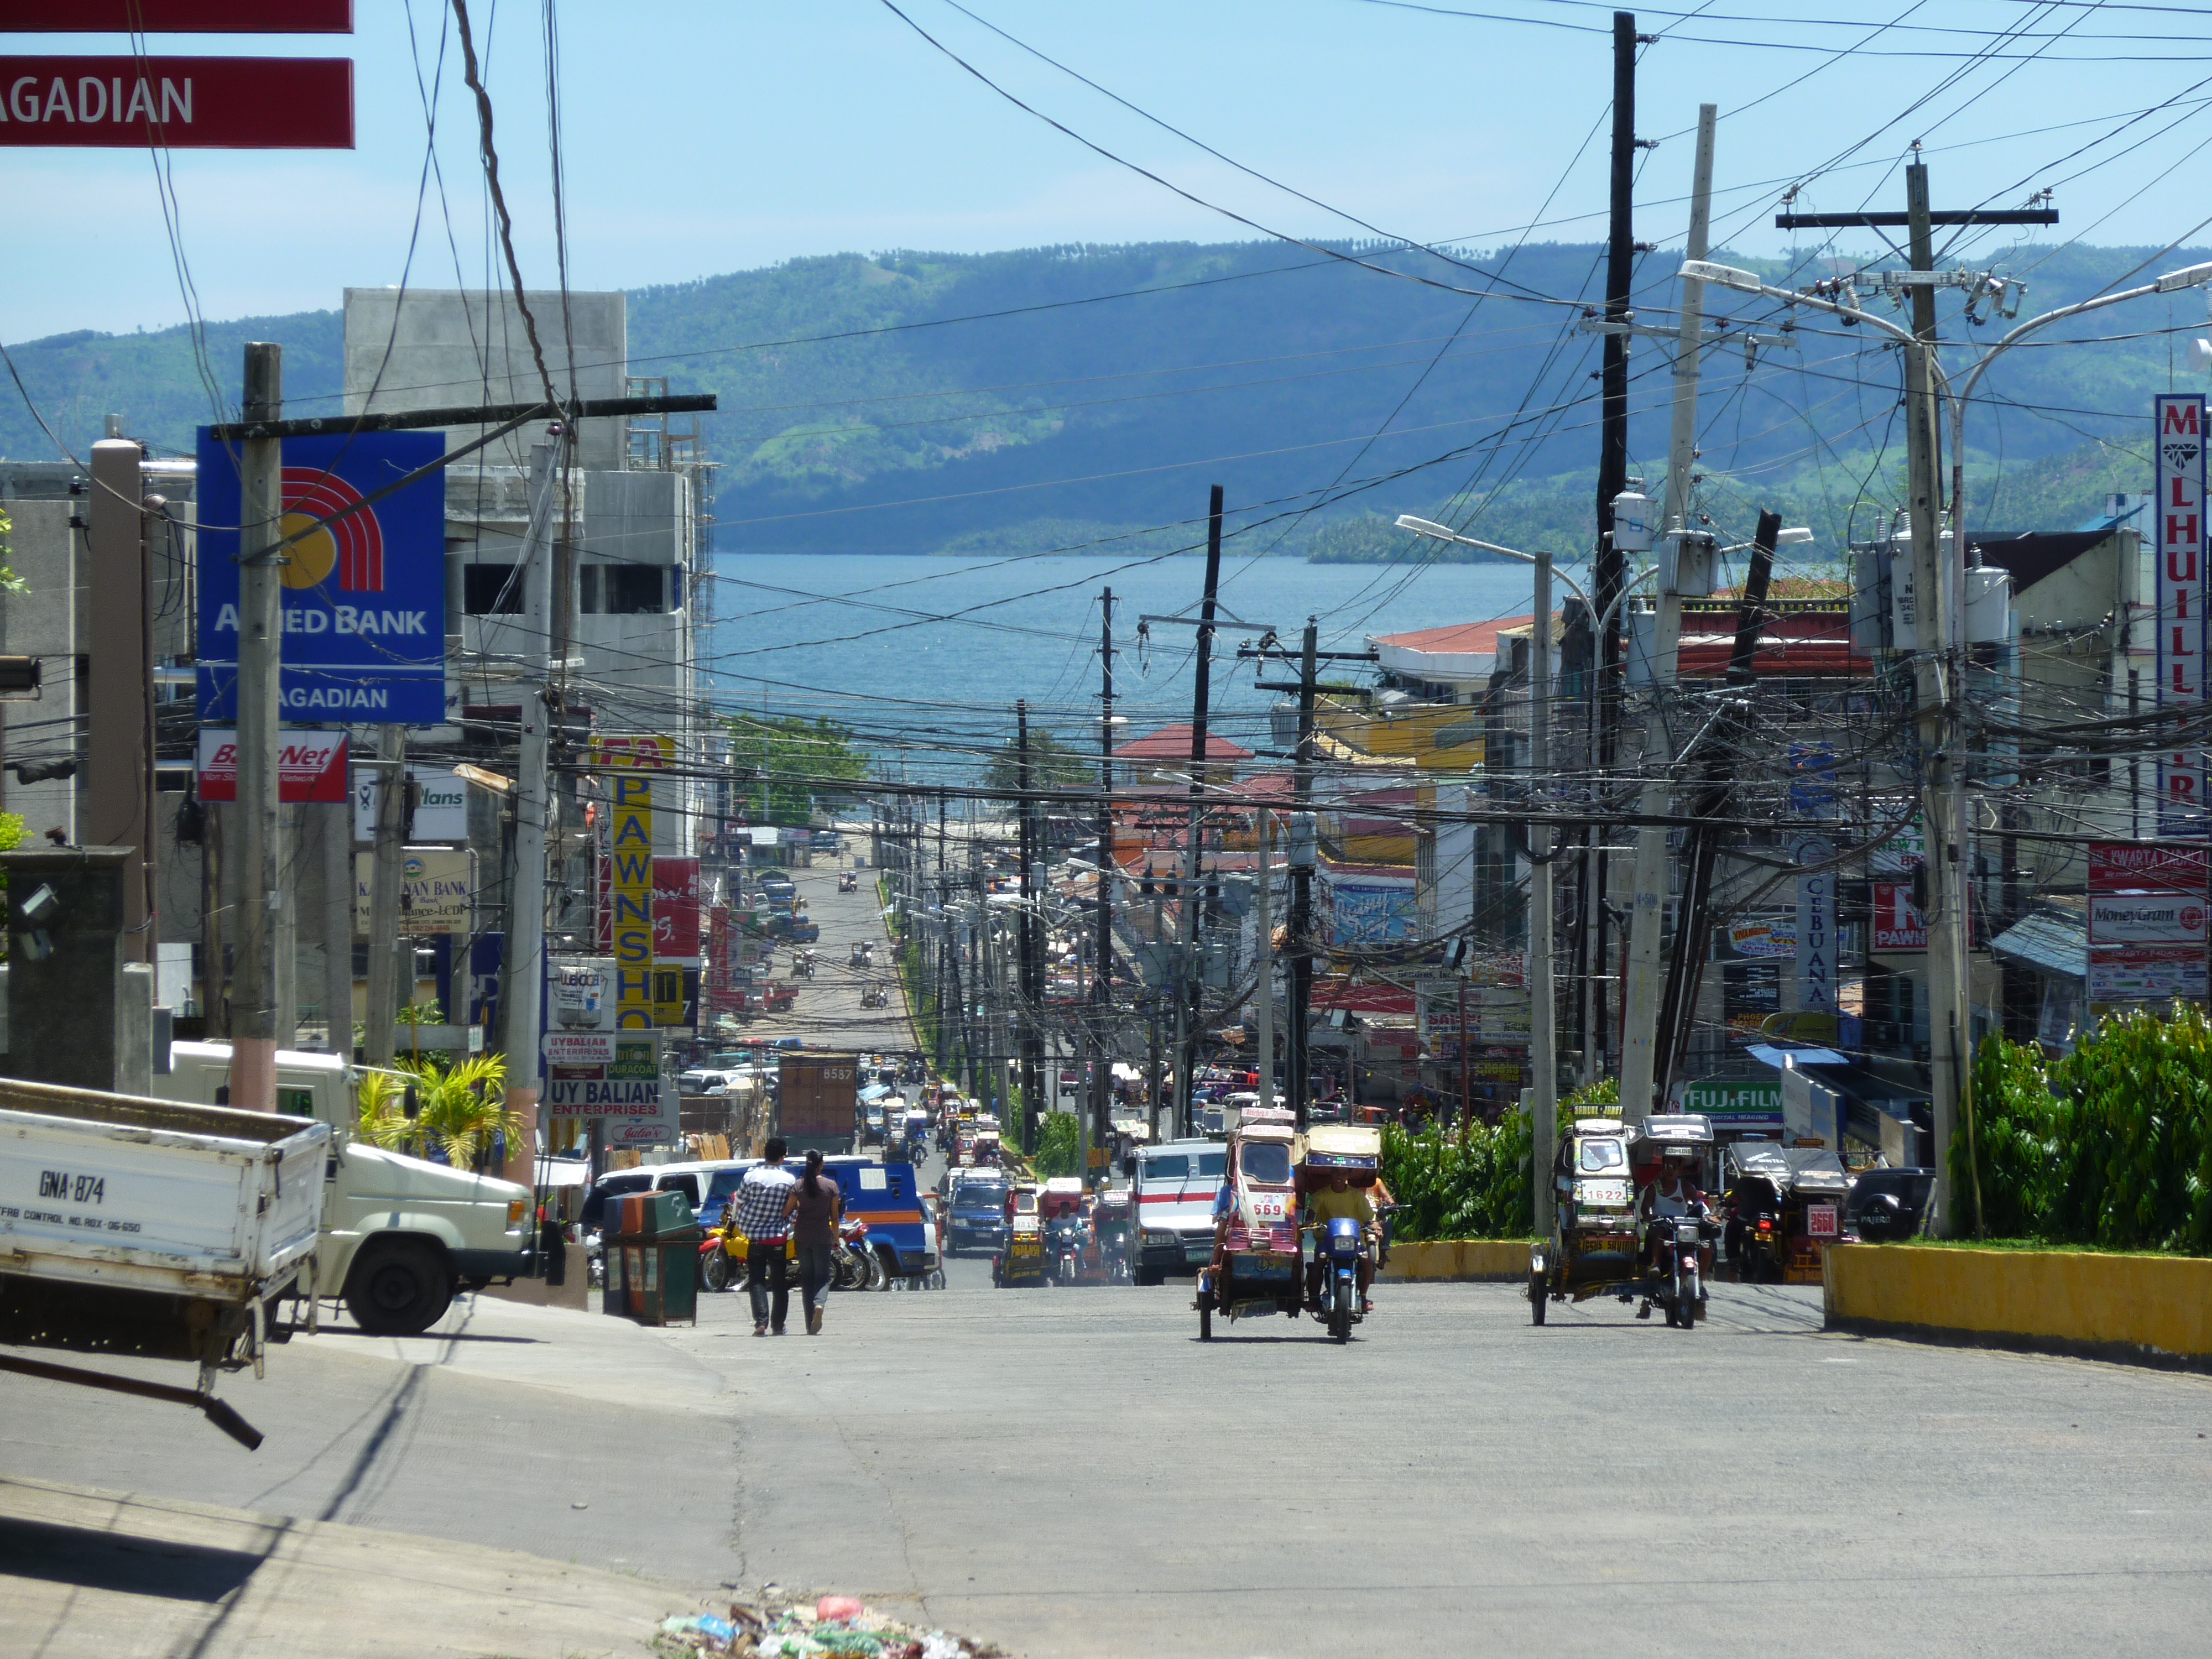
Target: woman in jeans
(815,1206)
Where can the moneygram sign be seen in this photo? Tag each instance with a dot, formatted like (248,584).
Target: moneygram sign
(364,599)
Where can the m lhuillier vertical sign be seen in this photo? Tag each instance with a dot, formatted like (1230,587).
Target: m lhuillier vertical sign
(2179,530)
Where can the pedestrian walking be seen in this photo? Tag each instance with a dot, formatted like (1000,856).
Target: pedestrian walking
(763,1203)
(816,1206)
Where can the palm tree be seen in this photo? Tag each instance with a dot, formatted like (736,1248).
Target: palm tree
(465,1107)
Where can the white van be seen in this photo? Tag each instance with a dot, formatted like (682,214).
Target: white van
(400,1235)
(1174,1185)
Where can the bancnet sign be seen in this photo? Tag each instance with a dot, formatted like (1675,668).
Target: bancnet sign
(310,766)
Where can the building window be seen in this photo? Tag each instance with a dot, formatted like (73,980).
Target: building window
(491,590)
(623,590)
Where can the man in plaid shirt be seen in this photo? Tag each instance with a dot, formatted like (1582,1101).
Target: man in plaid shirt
(760,1205)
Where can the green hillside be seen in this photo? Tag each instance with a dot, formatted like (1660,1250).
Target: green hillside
(1050,398)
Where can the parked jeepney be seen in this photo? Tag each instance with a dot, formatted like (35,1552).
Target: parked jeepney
(1256,1266)
(1784,1207)
(1599,1246)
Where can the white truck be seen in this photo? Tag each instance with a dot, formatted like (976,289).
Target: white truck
(400,1235)
(152,1229)
(1174,1186)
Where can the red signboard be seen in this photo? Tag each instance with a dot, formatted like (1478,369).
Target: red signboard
(1898,925)
(177,103)
(176,17)
(2138,866)
(676,909)
(310,766)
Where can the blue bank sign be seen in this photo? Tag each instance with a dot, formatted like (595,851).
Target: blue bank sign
(364,599)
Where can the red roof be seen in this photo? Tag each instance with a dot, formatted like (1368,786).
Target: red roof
(1475,637)
(1807,644)
(1173,743)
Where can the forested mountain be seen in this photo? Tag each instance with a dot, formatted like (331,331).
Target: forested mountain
(1049,397)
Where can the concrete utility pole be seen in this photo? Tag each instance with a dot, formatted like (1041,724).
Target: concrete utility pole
(337,925)
(119,728)
(1191,996)
(1591,956)
(254,1034)
(1300,1068)
(1101,977)
(388,950)
(522,996)
(1645,979)
(1266,962)
(1543,1042)
(1032,986)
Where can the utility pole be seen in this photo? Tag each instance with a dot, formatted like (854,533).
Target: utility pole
(522,999)
(1101,978)
(1266,962)
(1193,991)
(1642,992)
(119,724)
(1938,583)
(1032,989)
(387,948)
(1301,864)
(338,926)
(1604,727)
(254,1036)
(1543,1042)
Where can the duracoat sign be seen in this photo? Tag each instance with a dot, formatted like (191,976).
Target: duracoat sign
(364,596)
(310,766)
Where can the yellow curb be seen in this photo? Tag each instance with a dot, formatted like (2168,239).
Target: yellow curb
(1459,1259)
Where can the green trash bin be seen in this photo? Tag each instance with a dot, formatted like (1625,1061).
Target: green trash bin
(653,1259)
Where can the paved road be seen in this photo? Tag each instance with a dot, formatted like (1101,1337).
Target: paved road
(1071,1473)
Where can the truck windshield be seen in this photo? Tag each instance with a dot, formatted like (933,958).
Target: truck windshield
(1601,1155)
(1267,1162)
(1170,1168)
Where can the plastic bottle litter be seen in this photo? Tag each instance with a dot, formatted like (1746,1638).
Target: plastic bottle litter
(793,1627)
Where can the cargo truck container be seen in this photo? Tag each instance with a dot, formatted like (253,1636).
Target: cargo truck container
(816,1097)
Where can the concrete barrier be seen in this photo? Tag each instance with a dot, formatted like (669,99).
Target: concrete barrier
(2151,1310)
(1459,1259)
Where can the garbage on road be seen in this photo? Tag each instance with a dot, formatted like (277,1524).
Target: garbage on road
(778,1628)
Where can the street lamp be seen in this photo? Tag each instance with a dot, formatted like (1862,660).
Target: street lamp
(1543,1042)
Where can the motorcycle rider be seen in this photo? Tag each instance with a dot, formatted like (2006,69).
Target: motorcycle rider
(1339,1198)
(1669,1196)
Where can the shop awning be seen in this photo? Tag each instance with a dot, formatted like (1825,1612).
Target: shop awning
(2051,941)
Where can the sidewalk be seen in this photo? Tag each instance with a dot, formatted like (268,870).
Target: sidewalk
(102,1576)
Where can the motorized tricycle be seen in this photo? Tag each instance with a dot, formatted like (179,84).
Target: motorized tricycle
(1022,1262)
(1255,1267)
(1067,1233)
(1340,1245)
(1784,1207)
(1600,1244)
(848,882)
(1113,1228)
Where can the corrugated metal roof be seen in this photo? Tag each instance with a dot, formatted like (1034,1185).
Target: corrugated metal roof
(2052,942)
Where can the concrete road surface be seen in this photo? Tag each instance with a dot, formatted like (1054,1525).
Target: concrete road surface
(1071,1472)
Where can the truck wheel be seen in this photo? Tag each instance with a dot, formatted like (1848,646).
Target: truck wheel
(1537,1298)
(397,1290)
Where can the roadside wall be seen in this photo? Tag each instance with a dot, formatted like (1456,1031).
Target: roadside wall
(1460,1261)
(2145,1309)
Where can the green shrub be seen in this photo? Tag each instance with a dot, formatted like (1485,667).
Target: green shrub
(2111,1147)
(1060,1146)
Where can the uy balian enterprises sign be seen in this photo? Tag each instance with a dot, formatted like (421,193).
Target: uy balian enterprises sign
(364,599)
(175,103)
(626,1091)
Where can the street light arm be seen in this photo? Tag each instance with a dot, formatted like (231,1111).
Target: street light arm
(1438,532)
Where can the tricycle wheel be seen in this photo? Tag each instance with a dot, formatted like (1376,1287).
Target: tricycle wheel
(1206,1315)
(1538,1294)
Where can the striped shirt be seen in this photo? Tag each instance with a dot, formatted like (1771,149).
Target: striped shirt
(767,1190)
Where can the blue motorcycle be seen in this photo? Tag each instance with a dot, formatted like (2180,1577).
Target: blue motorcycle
(1339,1250)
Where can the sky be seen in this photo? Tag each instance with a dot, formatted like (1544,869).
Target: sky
(701,138)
